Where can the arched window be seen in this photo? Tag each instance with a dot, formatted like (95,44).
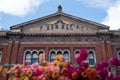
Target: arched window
(41,52)
(28,57)
(0,56)
(119,54)
(59,52)
(52,56)
(35,57)
(91,57)
(76,51)
(66,55)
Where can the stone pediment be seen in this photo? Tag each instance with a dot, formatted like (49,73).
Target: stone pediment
(59,23)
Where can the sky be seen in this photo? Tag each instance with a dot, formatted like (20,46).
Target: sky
(14,12)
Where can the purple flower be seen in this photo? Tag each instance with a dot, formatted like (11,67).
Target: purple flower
(117,77)
(110,76)
(115,61)
(103,73)
(83,54)
(105,63)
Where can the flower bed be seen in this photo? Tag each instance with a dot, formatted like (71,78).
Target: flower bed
(64,70)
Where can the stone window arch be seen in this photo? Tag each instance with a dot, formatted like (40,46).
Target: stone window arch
(91,57)
(0,56)
(27,56)
(52,54)
(41,51)
(59,52)
(66,55)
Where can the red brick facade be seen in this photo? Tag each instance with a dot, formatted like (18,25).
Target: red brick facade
(13,43)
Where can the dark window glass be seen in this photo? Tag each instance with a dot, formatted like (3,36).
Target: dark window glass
(91,58)
(28,57)
(35,57)
(52,56)
(66,55)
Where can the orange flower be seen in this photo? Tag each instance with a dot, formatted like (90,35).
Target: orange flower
(56,63)
(26,78)
(55,74)
(42,57)
(15,79)
(59,57)
(9,71)
(74,75)
(67,63)
(46,68)
(29,72)
(4,71)
(0,68)
(92,74)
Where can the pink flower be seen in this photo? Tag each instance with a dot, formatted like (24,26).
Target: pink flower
(103,73)
(83,54)
(115,61)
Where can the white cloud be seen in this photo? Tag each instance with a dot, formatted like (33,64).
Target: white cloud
(98,3)
(112,7)
(1,27)
(113,16)
(18,7)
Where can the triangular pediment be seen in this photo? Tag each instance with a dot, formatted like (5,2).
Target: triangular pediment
(59,23)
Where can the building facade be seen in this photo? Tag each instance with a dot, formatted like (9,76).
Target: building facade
(58,33)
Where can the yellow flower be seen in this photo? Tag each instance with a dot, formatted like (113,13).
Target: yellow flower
(15,79)
(26,78)
(56,63)
(29,72)
(84,74)
(42,57)
(0,68)
(59,57)
(46,68)
(9,71)
(55,75)
(74,75)
(4,72)
(62,64)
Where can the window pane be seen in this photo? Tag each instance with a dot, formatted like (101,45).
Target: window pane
(91,61)
(28,56)
(52,56)
(34,57)
(59,52)
(66,56)
(76,52)
(34,60)
(91,56)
